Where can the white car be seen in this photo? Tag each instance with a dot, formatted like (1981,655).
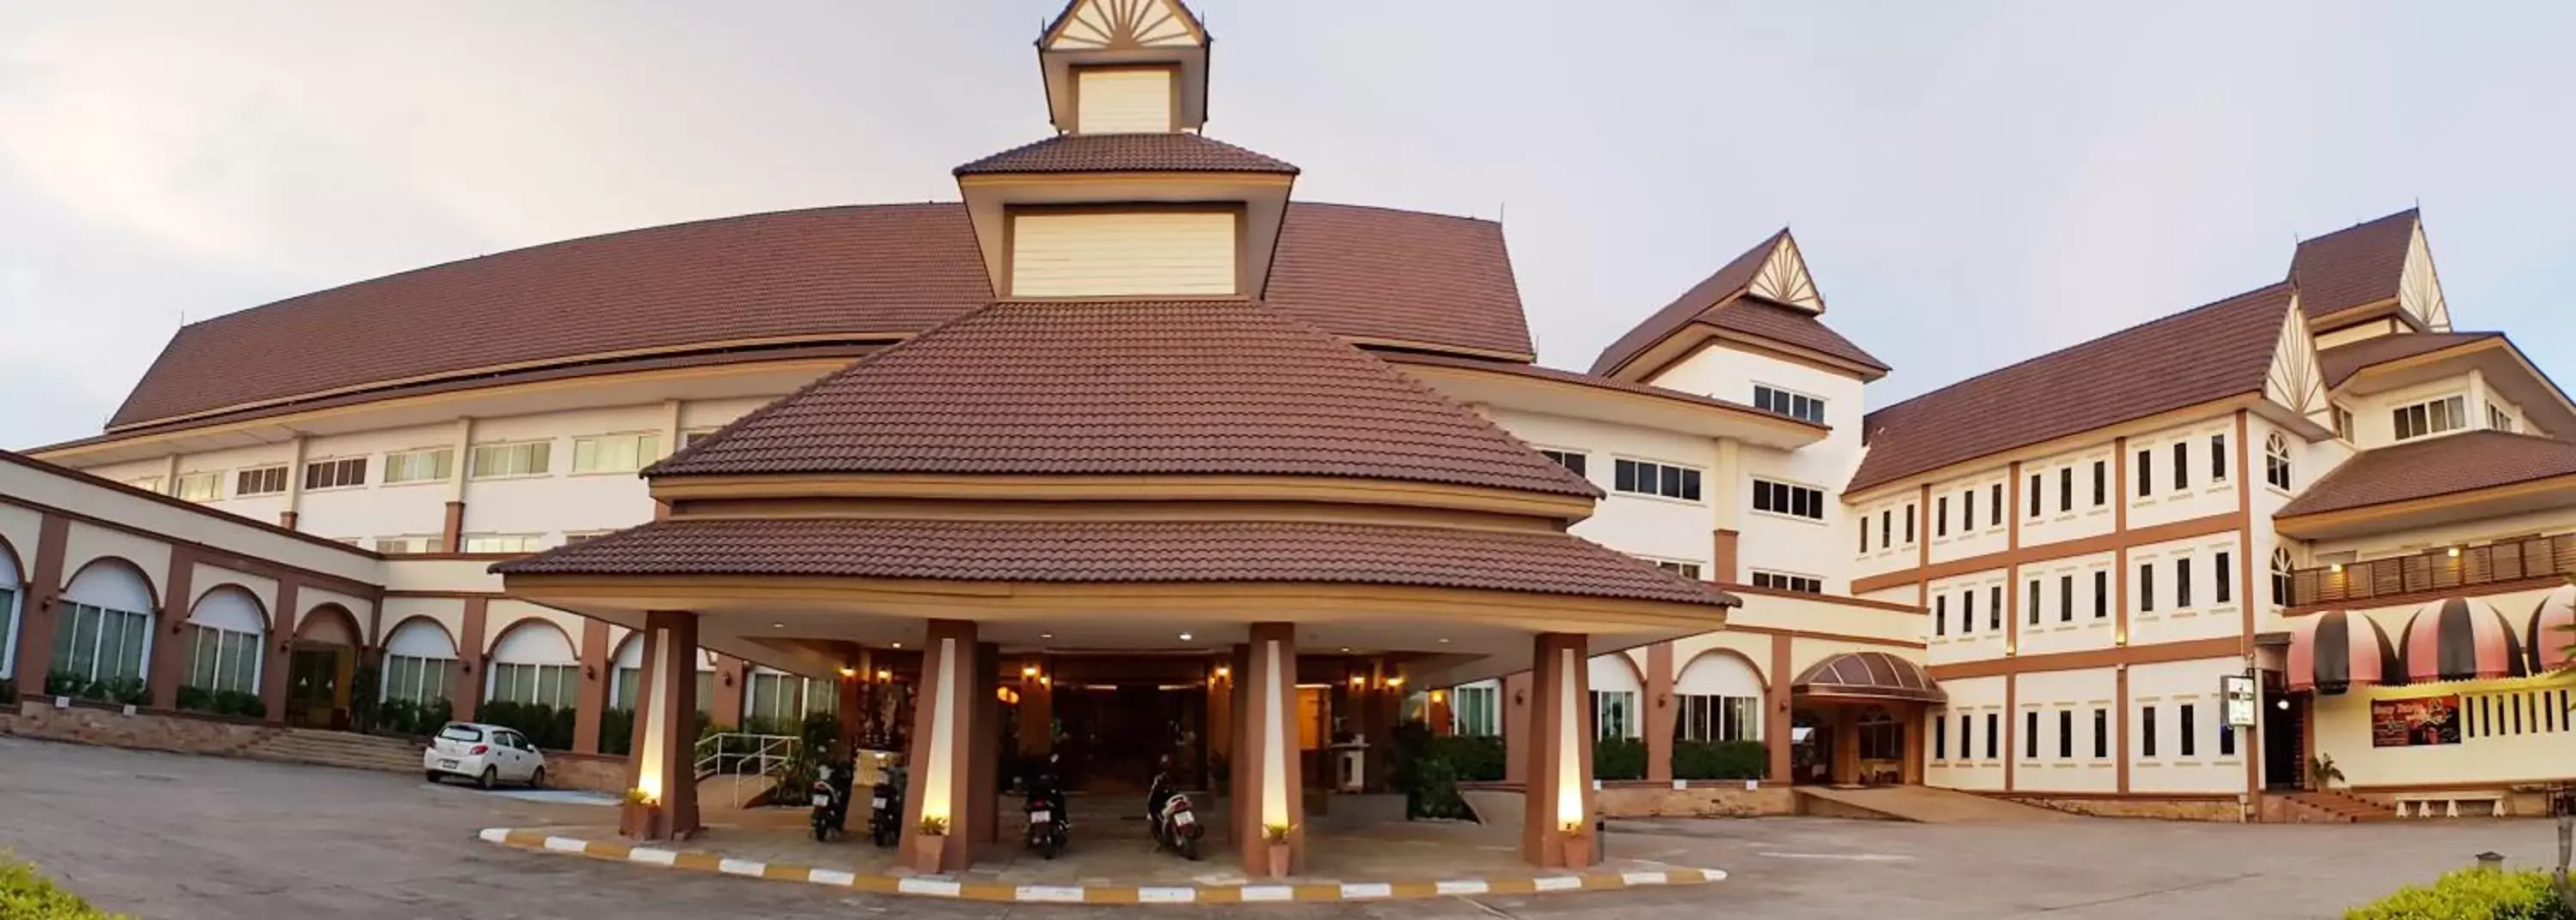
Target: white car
(486,754)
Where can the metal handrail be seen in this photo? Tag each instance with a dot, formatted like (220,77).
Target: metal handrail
(768,755)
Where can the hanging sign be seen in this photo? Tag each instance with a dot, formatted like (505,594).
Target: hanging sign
(2238,691)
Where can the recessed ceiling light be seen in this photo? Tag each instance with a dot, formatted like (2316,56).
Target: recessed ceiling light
(778,626)
(1444,640)
(1346,650)
(1046,635)
(898,645)
(1185,637)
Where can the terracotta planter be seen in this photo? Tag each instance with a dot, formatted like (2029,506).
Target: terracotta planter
(639,821)
(922,852)
(1279,854)
(1576,849)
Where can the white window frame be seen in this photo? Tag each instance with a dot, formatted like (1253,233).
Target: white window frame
(542,460)
(1627,726)
(569,682)
(2454,409)
(1682,567)
(1784,581)
(69,614)
(645,445)
(226,654)
(1718,713)
(336,465)
(12,597)
(501,543)
(212,482)
(1782,401)
(1658,495)
(1556,454)
(2499,420)
(442,460)
(1752,504)
(1485,700)
(2277,470)
(150,484)
(284,479)
(402,545)
(418,691)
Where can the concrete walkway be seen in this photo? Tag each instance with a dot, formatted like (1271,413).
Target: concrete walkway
(1922,804)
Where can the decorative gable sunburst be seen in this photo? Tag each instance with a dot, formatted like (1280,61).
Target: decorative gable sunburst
(1784,279)
(1115,24)
(2295,381)
(2419,291)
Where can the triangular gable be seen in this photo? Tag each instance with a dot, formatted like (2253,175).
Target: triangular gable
(1784,279)
(2295,380)
(2419,290)
(1094,25)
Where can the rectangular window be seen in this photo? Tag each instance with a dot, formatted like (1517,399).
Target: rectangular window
(1573,462)
(1786,582)
(2034,602)
(2497,419)
(2147,731)
(335,474)
(1994,729)
(2066,598)
(1995,608)
(2030,735)
(2035,500)
(1968,510)
(418,680)
(222,659)
(615,453)
(2227,741)
(2101,482)
(201,487)
(2101,733)
(1688,570)
(2066,488)
(397,546)
(1864,537)
(98,644)
(1611,711)
(2182,465)
(430,465)
(1940,738)
(2182,583)
(503,543)
(2221,587)
(2343,423)
(1793,405)
(1941,517)
(1965,726)
(1717,718)
(2101,595)
(2446,414)
(2146,473)
(1126,253)
(2066,734)
(1478,714)
(148,483)
(1909,524)
(1941,615)
(2218,458)
(266,480)
(2146,587)
(1967,611)
(1781,498)
(497,461)
(2185,725)
(1643,478)
(1995,506)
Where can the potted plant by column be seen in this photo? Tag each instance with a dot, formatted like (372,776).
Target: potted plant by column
(929,844)
(1574,844)
(1277,836)
(639,815)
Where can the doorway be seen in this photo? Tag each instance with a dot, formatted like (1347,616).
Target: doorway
(317,686)
(2285,757)
(1114,733)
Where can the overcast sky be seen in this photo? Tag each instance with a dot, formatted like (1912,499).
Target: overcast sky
(1972,184)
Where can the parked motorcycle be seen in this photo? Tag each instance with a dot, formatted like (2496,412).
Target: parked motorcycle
(1168,813)
(1050,827)
(885,808)
(830,797)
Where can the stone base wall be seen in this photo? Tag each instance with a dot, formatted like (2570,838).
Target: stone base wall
(147,729)
(2223,810)
(1698,799)
(595,772)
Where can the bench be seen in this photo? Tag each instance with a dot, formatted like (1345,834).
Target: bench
(2422,802)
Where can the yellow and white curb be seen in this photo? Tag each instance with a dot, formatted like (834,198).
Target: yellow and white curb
(935,887)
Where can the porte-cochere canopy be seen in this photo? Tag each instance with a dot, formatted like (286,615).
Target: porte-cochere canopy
(1867,676)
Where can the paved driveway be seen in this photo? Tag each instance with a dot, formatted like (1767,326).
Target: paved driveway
(164,835)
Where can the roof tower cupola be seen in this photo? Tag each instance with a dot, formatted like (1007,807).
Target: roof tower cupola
(1128,200)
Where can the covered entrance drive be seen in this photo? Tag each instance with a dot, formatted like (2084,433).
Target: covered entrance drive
(1853,716)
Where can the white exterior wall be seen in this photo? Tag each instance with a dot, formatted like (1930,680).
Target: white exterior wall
(2205,617)
(87,543)
(230,463)
(1975,698)
(561,501)
(1948,638)
(2078,694)
(2053,630)
(2166,687)
(364,513)
(1883,521)
(1141,253)
(18,530)
(502,614)
(1783,543)
(2203,494)
(1651,526)
(206,579)
(1964,516)
(1122,99)
(2060,476)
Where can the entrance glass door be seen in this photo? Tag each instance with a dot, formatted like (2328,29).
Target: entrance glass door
(317,686)
(2284,761)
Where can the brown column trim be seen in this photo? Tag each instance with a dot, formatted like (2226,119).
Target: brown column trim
(1724,551)
(280,651)
(2012,572)
(2188,650)
(983,769)
(1661,712)
(2251,746)
(2012,727)
(286,519)
(2120,721)
(1516,727)
(730,675)
(1553,670)
(45,588)
(163,673)
(467,692)
(1923,546)
(677,716)
(1776,723)
(2120,608)
(590,700)
(2100,543)
(451,533)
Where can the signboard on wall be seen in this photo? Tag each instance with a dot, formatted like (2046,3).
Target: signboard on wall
(2407,723)
(2238,691)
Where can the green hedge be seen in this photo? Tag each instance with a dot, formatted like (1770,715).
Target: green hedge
(1471,758)
(1619,758)
(24,895)
(127,691)
(2471,894)
(616,731)
(418,720)
(545,726)
(222,702)
(1719,759)
(8,692)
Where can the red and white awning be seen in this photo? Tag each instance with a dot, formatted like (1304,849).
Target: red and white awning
(2335,651)
(2553,632)
(2460,638)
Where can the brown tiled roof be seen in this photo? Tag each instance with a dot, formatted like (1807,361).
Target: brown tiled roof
(1141,152)
(1400,359)
(1212,387)
(1381,275)
(1721,300)
(1535,562)
(2435,466)
(2207,353)
(861,273)
(1875,675)
(2342,361)
(2354,266)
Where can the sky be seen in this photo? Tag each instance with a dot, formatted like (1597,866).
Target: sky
(1972,183)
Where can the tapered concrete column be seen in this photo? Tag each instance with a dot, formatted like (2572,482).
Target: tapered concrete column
(1559,793)
(465,687)
(1660,712)
(1846,767)
(1238,761)
(984,767)
(943,733)
(663,763)
(591,700)
(1779,717)
(279,648)
(1516,728)
(1269,790)
(168,667)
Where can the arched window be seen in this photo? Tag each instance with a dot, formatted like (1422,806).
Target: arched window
(2281,578)
(2276,461)
(627,688)
(1718,698)
(10,593)
(223,642)
(533,664)
(103,633)
(418,659)
(1614,698)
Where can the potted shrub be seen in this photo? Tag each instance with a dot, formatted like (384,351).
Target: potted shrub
(1575,844)
(928,845)
(2322,772)
(1278,836)
(640,815)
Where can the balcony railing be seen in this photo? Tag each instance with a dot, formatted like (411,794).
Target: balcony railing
(2436,570)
